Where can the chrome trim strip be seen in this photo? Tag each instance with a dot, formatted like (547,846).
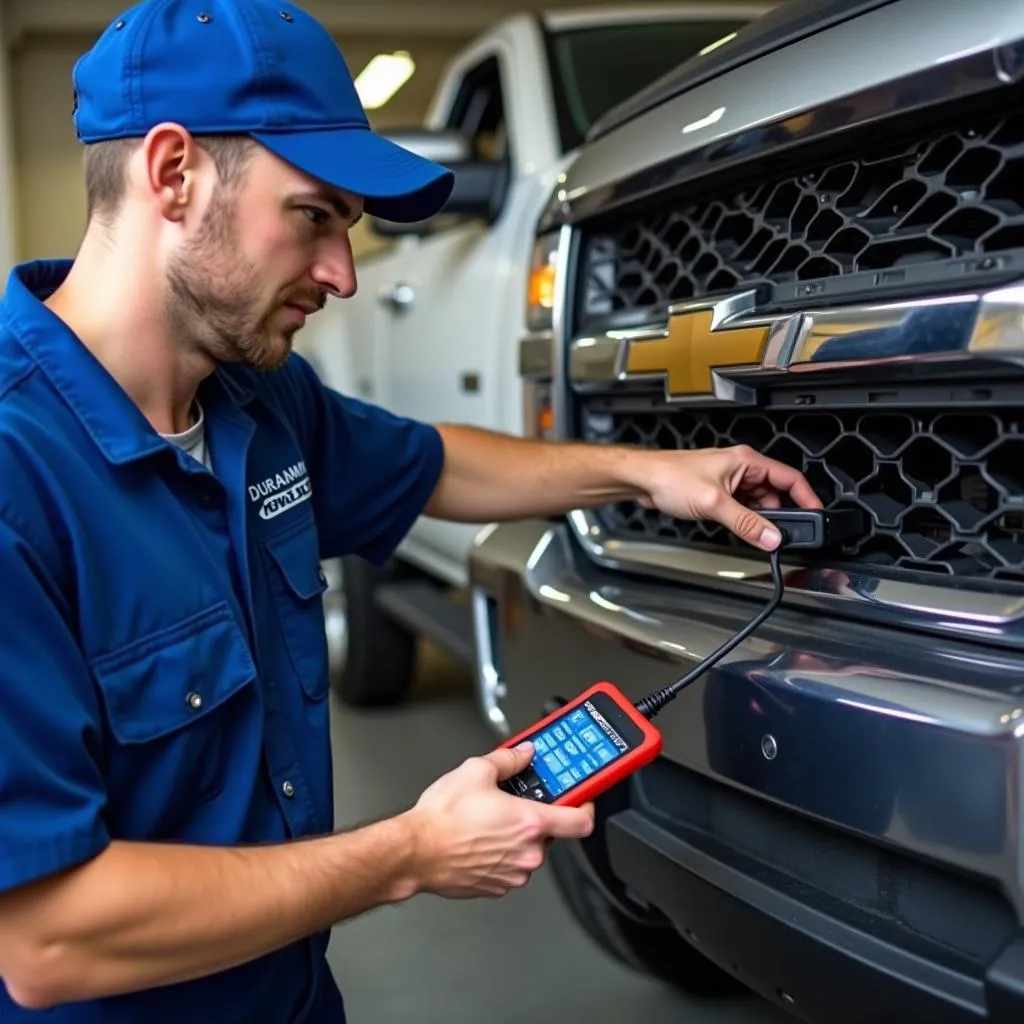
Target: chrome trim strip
(490,687)
(925,745)
(782,99)
(537,355)
(564,274)
(945,334)
(601,359)
(959,331)
(971,614)
(871,333)
(1000,325)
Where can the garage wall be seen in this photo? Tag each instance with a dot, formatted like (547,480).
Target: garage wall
(51,200)
(51,205)
(8,206)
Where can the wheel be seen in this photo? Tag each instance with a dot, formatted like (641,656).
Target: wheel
(373,658)
(655,948)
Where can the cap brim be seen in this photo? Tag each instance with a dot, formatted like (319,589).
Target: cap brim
(397,185)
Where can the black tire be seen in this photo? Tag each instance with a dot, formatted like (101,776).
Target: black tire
(380,660)
(653,949)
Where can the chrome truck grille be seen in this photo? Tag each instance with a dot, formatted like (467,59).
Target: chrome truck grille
(943,491)
(953,194)
(942,483)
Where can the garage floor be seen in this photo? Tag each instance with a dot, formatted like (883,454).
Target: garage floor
(434,961)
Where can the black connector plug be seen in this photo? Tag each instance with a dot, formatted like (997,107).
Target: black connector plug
(815,528)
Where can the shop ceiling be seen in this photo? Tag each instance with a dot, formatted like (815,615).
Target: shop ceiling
(437,18)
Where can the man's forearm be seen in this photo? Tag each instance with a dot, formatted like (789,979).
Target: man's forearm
(146,914)
(492,477)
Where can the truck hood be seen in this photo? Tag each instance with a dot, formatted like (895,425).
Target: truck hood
(882,59)
(789,23)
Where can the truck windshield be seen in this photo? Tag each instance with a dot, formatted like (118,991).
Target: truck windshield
(595,69)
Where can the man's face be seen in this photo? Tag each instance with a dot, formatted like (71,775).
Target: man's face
(268,252)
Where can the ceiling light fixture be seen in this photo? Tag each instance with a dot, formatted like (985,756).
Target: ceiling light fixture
(383,77)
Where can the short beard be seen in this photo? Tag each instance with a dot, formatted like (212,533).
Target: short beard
(213,296)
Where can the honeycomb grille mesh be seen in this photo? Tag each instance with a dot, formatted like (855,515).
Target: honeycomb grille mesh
(943,491)
(953,194)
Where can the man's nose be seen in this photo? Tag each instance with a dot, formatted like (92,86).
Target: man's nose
(335,270)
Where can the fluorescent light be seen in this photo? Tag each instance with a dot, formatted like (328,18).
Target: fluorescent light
(383,77)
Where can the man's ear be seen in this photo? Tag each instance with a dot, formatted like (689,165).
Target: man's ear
(169,167)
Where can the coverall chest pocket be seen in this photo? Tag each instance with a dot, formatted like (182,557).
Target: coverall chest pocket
(169,702)
(298,582)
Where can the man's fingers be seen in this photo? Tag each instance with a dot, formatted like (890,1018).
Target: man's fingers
(765,498)
(747,524)
(569,822)
(792,481)
(509,761)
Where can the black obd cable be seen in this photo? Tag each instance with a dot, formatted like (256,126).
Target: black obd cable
(800,528)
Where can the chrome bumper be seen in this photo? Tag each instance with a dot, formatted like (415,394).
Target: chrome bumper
(911,741)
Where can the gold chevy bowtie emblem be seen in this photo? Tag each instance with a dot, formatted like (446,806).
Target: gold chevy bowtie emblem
(691,348)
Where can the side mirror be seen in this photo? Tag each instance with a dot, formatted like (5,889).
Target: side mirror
(478,192)
(443,145)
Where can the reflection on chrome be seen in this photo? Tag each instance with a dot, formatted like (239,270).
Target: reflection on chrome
(548,591)
(972,612)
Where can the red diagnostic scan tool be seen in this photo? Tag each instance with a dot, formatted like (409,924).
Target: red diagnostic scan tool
(584,748)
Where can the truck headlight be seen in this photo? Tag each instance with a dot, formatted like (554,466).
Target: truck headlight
(537,349)
(540,289)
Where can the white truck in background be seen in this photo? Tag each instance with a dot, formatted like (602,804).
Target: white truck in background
(434,330)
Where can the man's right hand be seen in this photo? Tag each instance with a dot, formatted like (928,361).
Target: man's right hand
(143,914)
(473,839)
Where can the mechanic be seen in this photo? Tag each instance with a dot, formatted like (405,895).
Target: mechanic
(172,476)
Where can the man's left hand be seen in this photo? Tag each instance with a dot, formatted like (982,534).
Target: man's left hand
(726,485)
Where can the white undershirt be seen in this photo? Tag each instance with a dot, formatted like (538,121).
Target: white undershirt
(193,440)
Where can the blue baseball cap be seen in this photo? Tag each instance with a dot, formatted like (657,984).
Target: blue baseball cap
(263,68)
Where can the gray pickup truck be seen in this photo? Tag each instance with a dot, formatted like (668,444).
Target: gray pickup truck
(808,239)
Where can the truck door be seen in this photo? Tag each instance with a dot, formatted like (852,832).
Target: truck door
(448,302)
(446,297)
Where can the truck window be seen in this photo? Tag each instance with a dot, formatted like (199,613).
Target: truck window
(479,111)
(595,69)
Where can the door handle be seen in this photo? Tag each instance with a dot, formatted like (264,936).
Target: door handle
(399,297)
